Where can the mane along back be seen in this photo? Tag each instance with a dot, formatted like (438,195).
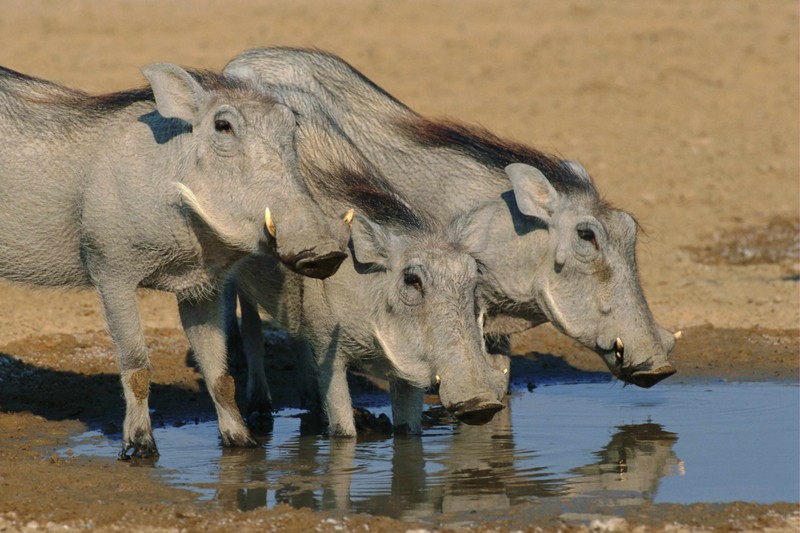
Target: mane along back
(21,90)
(371,196)
(491,151)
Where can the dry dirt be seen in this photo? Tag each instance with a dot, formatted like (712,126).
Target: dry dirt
(685,112)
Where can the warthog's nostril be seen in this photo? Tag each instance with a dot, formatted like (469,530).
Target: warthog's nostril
(318,266)
(475,412)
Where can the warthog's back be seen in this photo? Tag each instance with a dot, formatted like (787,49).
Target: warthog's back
(49,140)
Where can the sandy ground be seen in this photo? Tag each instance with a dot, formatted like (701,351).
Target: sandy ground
(685,112)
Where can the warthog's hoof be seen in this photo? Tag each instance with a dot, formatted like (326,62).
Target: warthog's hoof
(647,379)
(140,450)
(230,440)
(475,412)
(260,422)
(367,422)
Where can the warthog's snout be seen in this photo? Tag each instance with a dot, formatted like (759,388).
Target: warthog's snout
(317,265)
(643,374)
(475,412)
(648,378)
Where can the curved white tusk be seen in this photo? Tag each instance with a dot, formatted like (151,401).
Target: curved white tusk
(505,371)
(348,217)
(438,379)
(677,335)
(619,345)
(268,221)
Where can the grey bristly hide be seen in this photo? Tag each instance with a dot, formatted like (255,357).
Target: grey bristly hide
(163,187)
(557,252)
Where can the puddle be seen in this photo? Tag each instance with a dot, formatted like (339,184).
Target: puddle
(571,447)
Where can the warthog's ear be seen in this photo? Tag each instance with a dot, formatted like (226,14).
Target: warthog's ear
(533,193)
(471,230)
(371,242)
(177,93)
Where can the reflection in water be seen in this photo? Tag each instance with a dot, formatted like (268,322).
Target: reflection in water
(446,472)
(569,448)
(632,464)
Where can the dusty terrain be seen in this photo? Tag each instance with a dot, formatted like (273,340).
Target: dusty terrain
(685,113)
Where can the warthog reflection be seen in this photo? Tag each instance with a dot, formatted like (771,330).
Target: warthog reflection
(473,468)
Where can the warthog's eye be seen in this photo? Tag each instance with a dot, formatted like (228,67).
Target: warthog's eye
(223,126)
(412,280)
(588,235)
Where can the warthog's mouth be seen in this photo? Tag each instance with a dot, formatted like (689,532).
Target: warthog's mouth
(648,378)
(315,265)
(475,412)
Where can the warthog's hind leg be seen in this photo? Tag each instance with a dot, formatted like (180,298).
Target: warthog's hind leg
(259,399)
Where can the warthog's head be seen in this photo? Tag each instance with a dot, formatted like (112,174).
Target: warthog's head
(428,317)
(585,279)
(239,174)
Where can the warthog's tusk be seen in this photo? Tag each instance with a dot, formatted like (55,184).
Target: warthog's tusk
(505,371)
(619,349)
(268,221)
(348,217)
(438,379)
(677,335)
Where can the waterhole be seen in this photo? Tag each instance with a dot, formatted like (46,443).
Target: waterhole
(573,446)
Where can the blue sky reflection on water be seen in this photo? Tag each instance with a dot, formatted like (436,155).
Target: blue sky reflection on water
(676,443)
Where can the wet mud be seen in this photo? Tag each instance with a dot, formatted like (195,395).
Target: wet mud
(685,115)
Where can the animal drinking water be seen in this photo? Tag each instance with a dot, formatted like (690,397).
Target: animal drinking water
(164,188)
(405,304)
(556,251)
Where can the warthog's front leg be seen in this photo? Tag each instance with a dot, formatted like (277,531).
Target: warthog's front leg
(203,322)
(124,325)
(334,390)
(407,403)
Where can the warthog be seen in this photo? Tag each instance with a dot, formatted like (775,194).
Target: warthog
(404,304)
(557,252)
(165,188)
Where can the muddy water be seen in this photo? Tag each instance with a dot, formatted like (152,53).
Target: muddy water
(576,447)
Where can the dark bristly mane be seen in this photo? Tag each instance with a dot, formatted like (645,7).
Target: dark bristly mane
(491,151)
(371,196)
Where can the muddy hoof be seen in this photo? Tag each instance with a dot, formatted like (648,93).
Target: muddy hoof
(647,379)
(475,412)
(139,450)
